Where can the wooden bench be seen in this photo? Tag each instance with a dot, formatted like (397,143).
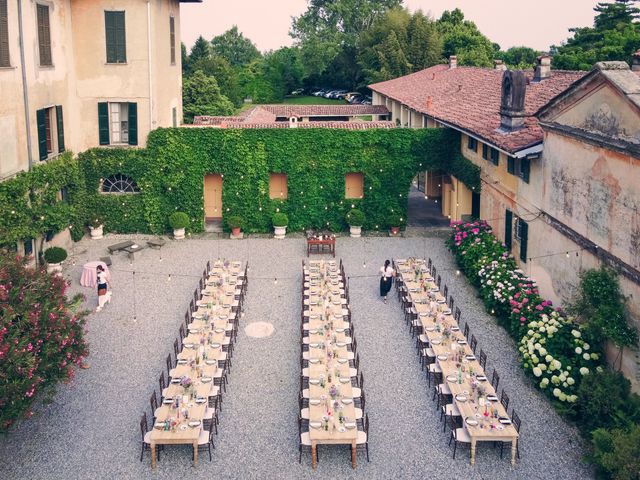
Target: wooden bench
(119,246)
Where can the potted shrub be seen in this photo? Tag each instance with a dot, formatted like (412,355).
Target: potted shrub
(178,221)
(54,256)
(235,224)
(395,221)
(355,219)
(280,222)
(95,227)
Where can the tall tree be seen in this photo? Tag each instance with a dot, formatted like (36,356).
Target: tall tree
(614,36)
(185,58)
(520,58)
(393,61)
(462,38)
(424,48)
(226,76)
(201,96)
(235,47)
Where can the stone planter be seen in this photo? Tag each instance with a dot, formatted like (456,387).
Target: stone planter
(280,232)
(355,232)
(395,230)
(96,232)
(54,268)
(178,233)
(235,231)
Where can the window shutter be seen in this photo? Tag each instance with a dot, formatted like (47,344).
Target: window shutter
(172,39)
(103,123)
(508,228)
(525,166)
(109,30)
(60,128)
(44,35)
(524,236)
(115,37)
(42,133)
(485,151)
(121,38)
(133,124)
(5,61)
(511,165)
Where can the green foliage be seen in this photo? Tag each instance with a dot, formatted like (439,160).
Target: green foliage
(227,77)
(233,46)
(41,336)
(519,58)
(55,255)
(355,217)
(280,219)
(201,49)
(462,38)
(394,220)
(600,306)
(178,220)
(95,221)
(617,453)
(235,221)
(201,96)
(30,205)
(614,36)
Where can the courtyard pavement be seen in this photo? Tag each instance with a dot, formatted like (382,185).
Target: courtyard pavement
(91,428)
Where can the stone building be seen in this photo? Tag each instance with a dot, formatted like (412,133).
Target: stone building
(559,154)
(76,74)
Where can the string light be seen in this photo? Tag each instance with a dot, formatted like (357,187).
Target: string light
(458,272)
(275,281)
(169,278)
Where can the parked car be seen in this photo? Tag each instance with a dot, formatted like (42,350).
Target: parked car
(338,94)
(356,99)
(348,96)
(366,100)
(298,91)
(329,94)
(319,93)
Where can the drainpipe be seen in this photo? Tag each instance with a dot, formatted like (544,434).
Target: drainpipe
(149,57)
(25,88)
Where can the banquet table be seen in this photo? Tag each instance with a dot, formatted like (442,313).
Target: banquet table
(89,276)
(198,361)
(332,413)
(484,418)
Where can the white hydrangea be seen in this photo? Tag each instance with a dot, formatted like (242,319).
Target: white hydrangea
(584,371)
(537,372)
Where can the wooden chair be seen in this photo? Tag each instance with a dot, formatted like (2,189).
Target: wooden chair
(466,331)
(362,440)
(451,302)
(153,401)
(504,400)
(445,292)
(515,419)
(176,347)
(169,366)
(495,379)
(433,271)
(182,332)
(429,264)
(439,281)
(205,440)
(459,436)
(305,442)
(187,320)
(457,314)
(473,343)
(483,360)
(146,437)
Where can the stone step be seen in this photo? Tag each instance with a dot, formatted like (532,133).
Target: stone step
(213,226)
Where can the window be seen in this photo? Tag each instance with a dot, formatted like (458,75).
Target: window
(44,35)
(63,195)
(508,226)
(5,61)
(119,184)
(174,116)
(495,156)
(28,247)
(118,123)
(472,144)
(353,185)
(115,37)
(172,39)
(525,166)
(50,131)
(522,235)
(278,186)
(485,151)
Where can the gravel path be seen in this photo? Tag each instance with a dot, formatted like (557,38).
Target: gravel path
(90,430)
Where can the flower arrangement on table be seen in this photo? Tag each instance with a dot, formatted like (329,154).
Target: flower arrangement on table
(185,382)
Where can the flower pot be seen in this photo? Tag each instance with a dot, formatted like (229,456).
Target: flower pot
(96,232)
(235,231)
(395,230)
(178,233)
(280,232)
(54,268)
(355,232)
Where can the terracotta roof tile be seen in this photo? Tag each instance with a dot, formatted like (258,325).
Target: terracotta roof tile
(339,125)
(325,110)
(469,98)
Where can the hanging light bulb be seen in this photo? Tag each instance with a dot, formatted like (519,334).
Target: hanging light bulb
(275,281)
(364,264)
(458,272)
(567,254)
(169,278)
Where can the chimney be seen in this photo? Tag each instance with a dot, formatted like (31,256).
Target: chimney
(499,65)
(429,103)
(293,122)
(453,62)
(512,113)
(543,68)
(635,62)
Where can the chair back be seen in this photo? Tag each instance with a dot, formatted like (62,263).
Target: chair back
(451,302)
(361,382)
(457,314)
(168,365)
(433,271)
(175,347)
(429,263)
(439,281)
(437,378)
(366,425)
(504,400)
(473,343)
(161,382)
(453,426)
(354,344)
(445,292)
(363,401)
(181,331)
(483,359)
(208,266)
(186,319)
(516,420)
(153,401)
(143,425)
(466,330)
(357,362)
(495,379)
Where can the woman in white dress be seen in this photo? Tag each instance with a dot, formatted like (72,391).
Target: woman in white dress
(387,273)
(104,295)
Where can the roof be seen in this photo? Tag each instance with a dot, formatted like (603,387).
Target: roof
(468,98)
(356,125)
(325,110)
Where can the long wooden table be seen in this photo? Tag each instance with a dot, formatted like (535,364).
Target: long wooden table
(332,415)
(198,360)
(315,245)
(453,351)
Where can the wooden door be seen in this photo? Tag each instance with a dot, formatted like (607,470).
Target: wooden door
(212,197)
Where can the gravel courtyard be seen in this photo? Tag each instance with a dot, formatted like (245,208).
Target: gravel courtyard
(91,430)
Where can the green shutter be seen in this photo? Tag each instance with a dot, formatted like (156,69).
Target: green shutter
(525,166)
(485,151)
(133,124)
(4,35)
(508,228)
(42,133)
(115,37)
(475,204)
(60,127)
(511,165)
(109,31)
(524,236)
(103,123)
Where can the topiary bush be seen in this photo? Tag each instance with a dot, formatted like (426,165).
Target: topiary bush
(355,217)
(95,221)
(55,255)
(41,336)
(234,221)
(280,219)
(395,220)
(178,220)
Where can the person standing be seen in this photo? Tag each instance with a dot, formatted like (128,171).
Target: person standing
(104,295)
(387,273)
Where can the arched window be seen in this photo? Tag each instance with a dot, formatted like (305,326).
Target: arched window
(119,183)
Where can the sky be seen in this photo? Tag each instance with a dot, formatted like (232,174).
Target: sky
(533,23)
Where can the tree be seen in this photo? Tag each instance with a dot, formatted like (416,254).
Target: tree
(234,47)
(226,76)
(614,36)
(185,58)
(519,58)
(283,70)
(201,96)
(462,38)
(392,59)
(425,43)
(201,49)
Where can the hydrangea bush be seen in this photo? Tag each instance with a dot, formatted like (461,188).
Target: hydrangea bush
(41,335)
(553,348)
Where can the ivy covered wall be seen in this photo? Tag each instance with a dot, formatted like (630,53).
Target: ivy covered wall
(170,172)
